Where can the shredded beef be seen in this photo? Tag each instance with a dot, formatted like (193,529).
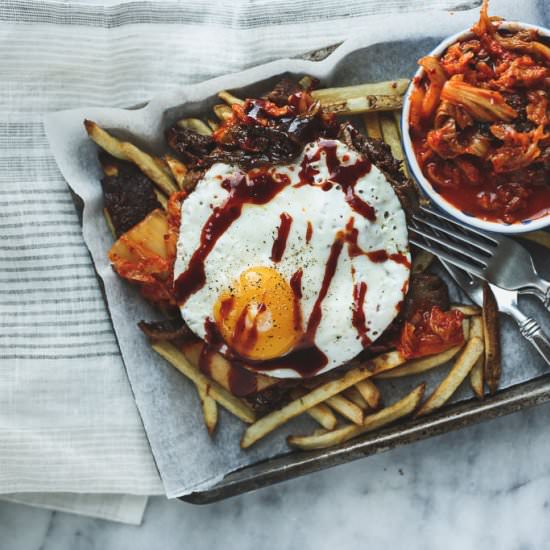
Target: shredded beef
(191,145)
(129,195)
(168,329)
(425,291)
(282,90)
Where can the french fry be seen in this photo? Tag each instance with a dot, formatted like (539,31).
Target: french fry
(320,413)
(219,368)
(344,93)
(371,394)
(195,124)
(306,82)
(421,261)
(400,409)
(464,364)
(391,135)
(468,310)
(213,125)
(233,404)
(397,118)
(223,112)
(209,409)
(152,167)
(355,396)
(372,125)
(105,140)
(161,197)
(346,408)
(178,169)
(230,99)
(109,222)
(296,407)
(416,366)
(476,374)
(539,237)
(492,368)
(362,104)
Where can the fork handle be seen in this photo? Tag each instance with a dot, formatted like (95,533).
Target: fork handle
(531,331)
(542,294)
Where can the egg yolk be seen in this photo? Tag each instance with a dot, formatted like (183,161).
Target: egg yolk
(258,316)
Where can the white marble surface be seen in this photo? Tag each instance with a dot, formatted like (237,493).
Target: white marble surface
(485,487)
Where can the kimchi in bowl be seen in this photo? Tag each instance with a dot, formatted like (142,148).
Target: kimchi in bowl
(476,126)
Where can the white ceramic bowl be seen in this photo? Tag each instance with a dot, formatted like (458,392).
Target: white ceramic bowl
(416,172)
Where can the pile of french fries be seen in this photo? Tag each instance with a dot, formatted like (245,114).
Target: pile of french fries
(350,405)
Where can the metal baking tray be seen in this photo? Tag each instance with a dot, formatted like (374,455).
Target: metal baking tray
(465,412)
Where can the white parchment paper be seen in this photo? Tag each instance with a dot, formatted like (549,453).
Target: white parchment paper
(188,460)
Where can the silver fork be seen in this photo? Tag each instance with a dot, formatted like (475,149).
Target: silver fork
(507,301)
(495,258)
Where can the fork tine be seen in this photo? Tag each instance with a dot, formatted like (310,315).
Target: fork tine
(469,268)
(464,227)
(447,243)
(459,235)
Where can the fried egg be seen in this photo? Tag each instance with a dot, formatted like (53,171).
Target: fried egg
(293,269)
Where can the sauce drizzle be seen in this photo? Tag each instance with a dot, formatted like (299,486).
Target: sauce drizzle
(279,244)
(358,314)
(345,176)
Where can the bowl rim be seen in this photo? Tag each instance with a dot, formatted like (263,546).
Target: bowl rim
(415,170)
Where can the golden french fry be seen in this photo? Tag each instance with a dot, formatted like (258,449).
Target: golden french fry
(397,118)
(150,167)
(362,104)
(213,125)
(371,394)
(220,369)
(346,408)
(196,125)
(109,222)
(306,82)
(178,169)
(386,416)
(416,366)
(161,197)
(464,364)
(355,396)
(476,378)
(391,135)
(230,99)
(476,374)
(539,237)
(344,93)
(209,409)
(233,404)
(492,368)
(320,413)
(468,310)
(296,407)
(421,261)
(154,168)
(105,140)
(223,112)
(372,125)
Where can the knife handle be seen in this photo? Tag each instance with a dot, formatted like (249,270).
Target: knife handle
(531,330)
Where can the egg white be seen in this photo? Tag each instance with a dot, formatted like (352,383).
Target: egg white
(248,242)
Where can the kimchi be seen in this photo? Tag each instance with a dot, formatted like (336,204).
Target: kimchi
(480,122)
